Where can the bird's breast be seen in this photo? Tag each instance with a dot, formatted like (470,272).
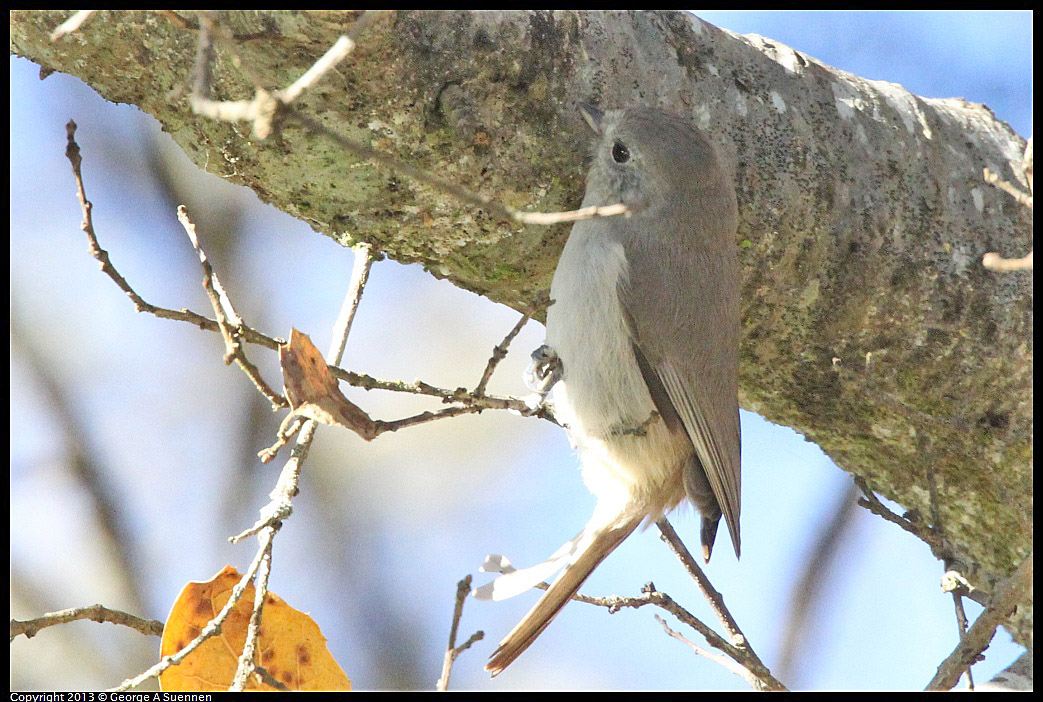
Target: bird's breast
(626,449)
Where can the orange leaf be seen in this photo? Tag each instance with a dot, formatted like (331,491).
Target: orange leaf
(290,645)
(312,389)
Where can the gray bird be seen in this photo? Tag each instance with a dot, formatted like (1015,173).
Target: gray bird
(644,323)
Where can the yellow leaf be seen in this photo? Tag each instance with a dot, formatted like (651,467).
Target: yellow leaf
(290,645)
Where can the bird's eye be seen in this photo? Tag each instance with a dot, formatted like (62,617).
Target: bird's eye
(620,153)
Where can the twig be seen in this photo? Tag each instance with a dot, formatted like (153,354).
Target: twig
(994,179)
(72,152)
(219,299)
(938,528)
(715,657)
(936,542)
(715,598)
(749,666)
(98,613)
(228,320)
(1004,601)
(994,262)
(423,418)
(871,502)
(738,650)
(247,664)
(357,285)
(961,627)
(222,309)
(280,506)
(209,29)
(315,396)
(71,25)
(263,110)
(272,516)
(753,670)
(269,679)
(452,650)
(499,352)
(419,387)
(334,55)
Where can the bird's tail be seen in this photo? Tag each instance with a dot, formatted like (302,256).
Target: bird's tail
(591,547)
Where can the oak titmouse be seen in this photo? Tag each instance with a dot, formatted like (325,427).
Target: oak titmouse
(644,324)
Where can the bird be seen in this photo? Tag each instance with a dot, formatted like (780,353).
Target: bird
(643,332)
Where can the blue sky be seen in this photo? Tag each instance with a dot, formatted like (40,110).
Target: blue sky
(383,531)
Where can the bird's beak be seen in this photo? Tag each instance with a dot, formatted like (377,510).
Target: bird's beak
(592,115)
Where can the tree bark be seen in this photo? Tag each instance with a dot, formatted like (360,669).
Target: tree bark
(870,324)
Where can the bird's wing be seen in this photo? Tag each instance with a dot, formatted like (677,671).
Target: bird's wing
(683,319)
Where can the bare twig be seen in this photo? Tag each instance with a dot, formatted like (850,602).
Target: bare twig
(72,152)
(748,657)
(961,627)
(269,679)
(71,25)
(210,29)
(994,262)
(280,507)
(715,598)
(228,320)
(423,418)
(98,613)
(418,387)
(938,528)
(263,110)
(314,395)
(499,352)
(938,544)
(356,286)
(1012,190)
(334,55)
(247,664)
(452,650)
(1004,601)
(715,657)
(272,516)
(871,502)
(748,666)
(936,541)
